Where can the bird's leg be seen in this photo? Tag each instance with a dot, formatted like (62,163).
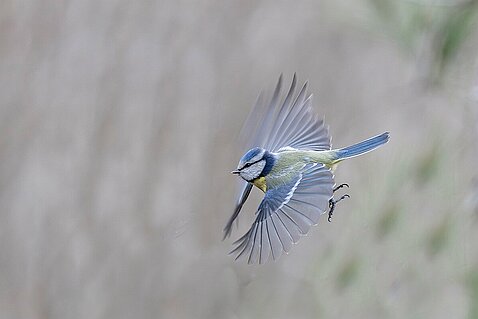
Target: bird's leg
(333,203)
(340,186)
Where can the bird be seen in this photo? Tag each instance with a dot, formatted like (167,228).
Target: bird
(290,159)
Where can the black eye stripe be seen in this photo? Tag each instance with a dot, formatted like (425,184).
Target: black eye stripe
(249,164)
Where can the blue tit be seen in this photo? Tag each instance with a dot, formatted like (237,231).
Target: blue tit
(290,159)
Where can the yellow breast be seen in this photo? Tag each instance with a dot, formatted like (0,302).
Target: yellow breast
(260,183)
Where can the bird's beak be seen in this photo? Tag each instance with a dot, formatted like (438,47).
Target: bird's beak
(236,172)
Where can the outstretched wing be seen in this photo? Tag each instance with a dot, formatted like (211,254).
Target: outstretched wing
(284,214)
(291,122)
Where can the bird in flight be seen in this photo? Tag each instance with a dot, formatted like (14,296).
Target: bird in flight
(291,160)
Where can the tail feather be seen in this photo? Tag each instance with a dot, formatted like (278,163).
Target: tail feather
(362,147)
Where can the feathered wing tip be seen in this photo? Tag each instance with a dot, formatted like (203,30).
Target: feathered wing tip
(291,122)
(274,232)
(296,124)
(242,199)
(259,120)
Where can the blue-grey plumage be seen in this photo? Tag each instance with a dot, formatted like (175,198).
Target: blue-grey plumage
(290,159)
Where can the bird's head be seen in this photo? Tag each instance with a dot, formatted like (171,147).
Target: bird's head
(255,163)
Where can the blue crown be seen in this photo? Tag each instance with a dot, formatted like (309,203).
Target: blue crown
(250,154)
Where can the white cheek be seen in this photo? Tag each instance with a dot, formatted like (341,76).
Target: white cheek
(253,171)
(247,174)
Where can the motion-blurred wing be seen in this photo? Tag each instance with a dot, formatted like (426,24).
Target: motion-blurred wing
(291,122)
(284,214)
(246,190)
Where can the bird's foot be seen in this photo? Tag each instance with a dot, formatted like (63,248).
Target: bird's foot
(333,203)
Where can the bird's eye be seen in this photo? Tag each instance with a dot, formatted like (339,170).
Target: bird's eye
(247,165)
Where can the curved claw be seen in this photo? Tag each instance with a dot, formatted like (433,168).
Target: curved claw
(329,219)
(341,186)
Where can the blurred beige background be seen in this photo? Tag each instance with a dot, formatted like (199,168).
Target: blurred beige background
(118,129)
